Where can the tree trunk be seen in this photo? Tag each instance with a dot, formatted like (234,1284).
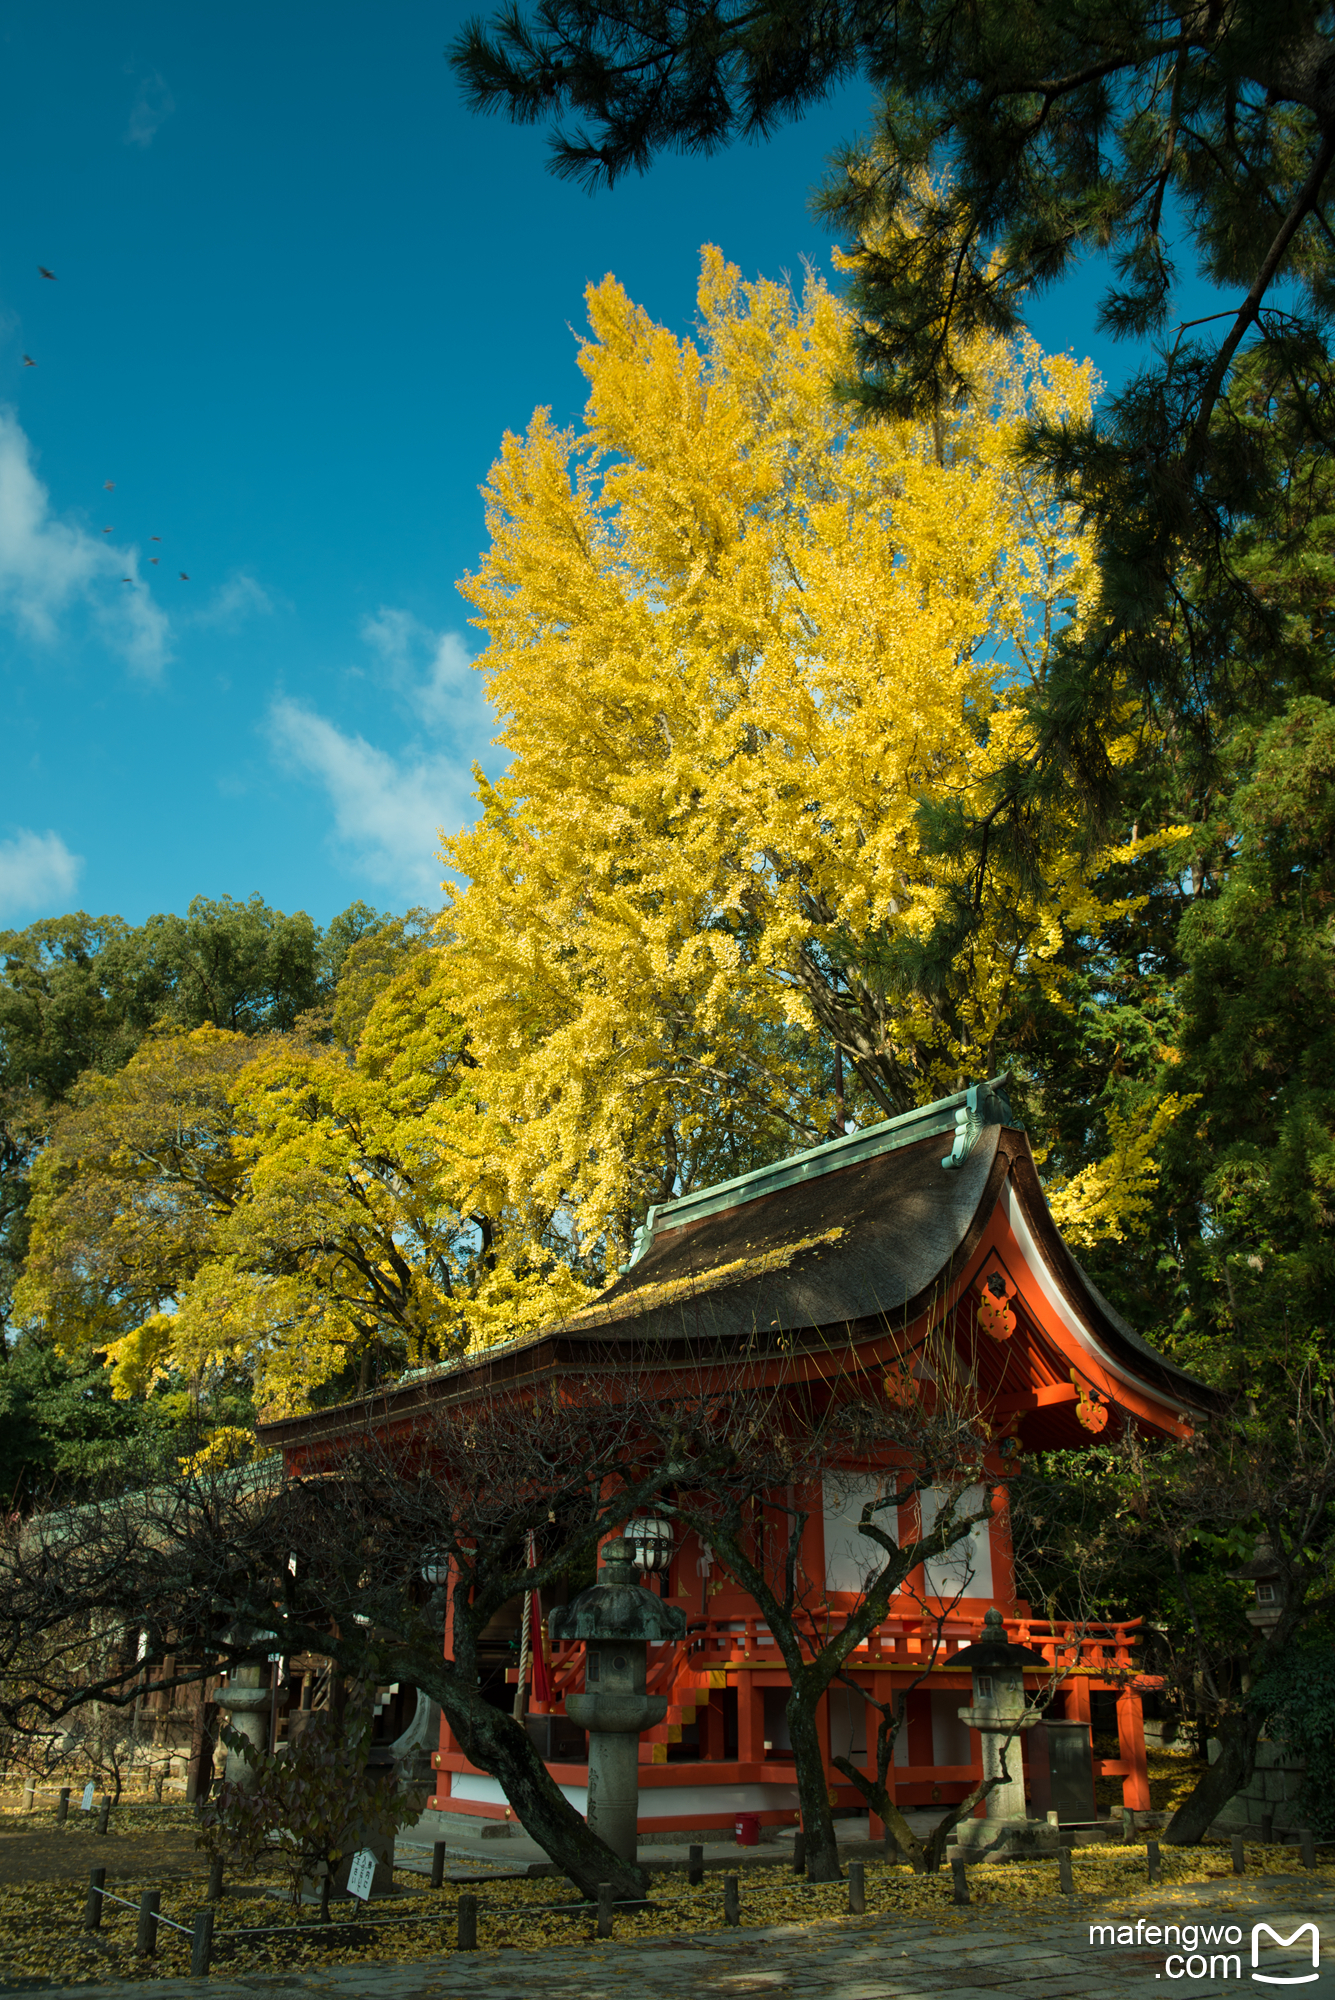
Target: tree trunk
(1238,1736)
(879,1801)
(500,1746)
(812,1783)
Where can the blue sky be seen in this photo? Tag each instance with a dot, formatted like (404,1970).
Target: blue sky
(299,295)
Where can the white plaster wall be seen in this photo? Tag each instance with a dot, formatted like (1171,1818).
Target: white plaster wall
(966,1569)
(950,1736)
(850,1557)
(656,1802)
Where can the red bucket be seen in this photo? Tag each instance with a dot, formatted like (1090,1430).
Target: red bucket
(748,1829)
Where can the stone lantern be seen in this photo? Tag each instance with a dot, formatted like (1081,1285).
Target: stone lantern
(616,1619)
(1264,1574)
(997,1669)
(247,1698)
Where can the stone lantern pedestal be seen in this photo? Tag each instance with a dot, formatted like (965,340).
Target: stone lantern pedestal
(247,1699)
(616,1619)
(998,1712)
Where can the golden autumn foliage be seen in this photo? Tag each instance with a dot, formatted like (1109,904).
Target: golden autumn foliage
(738,650)
(735,646)
(1107,1198)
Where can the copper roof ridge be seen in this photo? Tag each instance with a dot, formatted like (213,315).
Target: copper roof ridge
(964,1115)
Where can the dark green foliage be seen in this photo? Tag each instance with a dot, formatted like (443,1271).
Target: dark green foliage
(1258,1041)
(241,966)
(653,76)
(1297,1699)
(60,1430)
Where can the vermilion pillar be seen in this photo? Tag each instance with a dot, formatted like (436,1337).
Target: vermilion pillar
(1131,1750)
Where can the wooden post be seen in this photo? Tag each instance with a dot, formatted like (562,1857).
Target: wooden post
(1131,1751)
(467,1923)
(1152,1860)
(216,1879)
(438,1865)
(146,1938)
(732,1909)
(605,1909)
(857,1890)
(1239,1855)
(1065,1879)
(92,1909)
(201,1944)
(1308,1845)
(104,1816)
(30,1795)
(62,1805)
(959,1879)
(695,1866)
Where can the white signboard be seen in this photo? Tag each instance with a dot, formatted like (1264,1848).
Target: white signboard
(88,1796)
(361,1874)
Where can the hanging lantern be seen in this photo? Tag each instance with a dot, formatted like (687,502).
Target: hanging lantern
(651,1541)
(435,1568)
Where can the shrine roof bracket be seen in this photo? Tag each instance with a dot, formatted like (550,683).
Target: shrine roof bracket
(963,1117)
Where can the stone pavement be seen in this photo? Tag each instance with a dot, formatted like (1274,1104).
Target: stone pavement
(468,1853)
(1034,1952)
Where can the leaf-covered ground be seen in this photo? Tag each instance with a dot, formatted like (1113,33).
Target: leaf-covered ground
(1172,1773)
(42,1934)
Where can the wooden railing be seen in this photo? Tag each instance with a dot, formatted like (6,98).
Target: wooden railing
(1098,1650)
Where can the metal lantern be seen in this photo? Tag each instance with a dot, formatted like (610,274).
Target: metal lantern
(651,1541)
(435,1568)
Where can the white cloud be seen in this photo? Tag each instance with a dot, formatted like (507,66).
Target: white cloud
(48,565)
(152,107)
(240,597)
(36,869)
(389,810)
(387,813)
(431,672)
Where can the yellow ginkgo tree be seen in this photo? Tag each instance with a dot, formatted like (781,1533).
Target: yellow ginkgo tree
(736,646)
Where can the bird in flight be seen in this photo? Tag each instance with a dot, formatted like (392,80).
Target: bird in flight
(28,361)
(108,485)
(184,577)
(155,559)
(127,579)
(108,531)
(155,538)
(47,274)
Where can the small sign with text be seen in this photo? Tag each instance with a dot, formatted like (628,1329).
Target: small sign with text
(361,1874)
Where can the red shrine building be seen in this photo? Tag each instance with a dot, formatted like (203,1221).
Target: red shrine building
(931,1224)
